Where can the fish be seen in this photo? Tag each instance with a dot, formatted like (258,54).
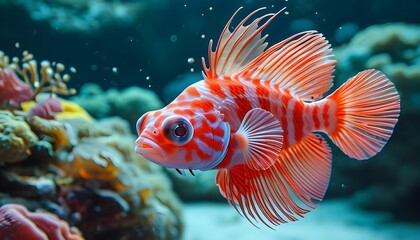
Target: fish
(259,118)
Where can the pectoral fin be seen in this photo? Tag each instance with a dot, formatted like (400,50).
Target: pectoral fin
(260,139)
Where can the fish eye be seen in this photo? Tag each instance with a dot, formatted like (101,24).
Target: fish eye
(178,130)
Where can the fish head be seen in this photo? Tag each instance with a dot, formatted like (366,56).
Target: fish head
(183,140)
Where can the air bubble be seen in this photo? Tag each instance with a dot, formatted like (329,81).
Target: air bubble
(173,38)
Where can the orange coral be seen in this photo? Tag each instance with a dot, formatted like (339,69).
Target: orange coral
(61,134)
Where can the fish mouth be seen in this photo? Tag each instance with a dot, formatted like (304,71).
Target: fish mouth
(150,150)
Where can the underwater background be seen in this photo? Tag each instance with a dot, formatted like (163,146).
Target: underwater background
(110,61)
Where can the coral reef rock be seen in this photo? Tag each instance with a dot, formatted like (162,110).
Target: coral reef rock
(87,173)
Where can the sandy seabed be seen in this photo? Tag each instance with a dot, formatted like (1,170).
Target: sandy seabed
(331,220)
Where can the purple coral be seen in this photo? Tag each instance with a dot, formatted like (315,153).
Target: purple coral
(13,90)
(16,222)
(47,109)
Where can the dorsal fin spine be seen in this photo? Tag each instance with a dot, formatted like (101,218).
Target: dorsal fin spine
(250,38)
(257,44)
(244,45)
(226,28)
(210,71)
(232,63)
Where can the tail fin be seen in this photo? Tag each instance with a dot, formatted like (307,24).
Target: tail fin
(367,109)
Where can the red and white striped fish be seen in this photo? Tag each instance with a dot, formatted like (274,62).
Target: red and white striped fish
(254,116)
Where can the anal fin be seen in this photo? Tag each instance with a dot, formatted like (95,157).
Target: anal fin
(293,186)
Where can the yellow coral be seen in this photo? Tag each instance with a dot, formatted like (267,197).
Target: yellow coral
(16,138)
(27,105)
(70,110)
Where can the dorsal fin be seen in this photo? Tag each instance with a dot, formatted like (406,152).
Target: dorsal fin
(302,64)
(236,49)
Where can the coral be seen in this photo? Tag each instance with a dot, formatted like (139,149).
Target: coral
(129,103)
(28,186)
(99,184)
(49,78)
(92,178)
(136,193)
(72,110)
(92,160)
(16,138)
(13,90)
(393,48)
(47,109)
(60,134)
(16,222)
(51,107)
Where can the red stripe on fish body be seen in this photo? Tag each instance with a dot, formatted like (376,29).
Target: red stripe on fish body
(234,98)
(242,96)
